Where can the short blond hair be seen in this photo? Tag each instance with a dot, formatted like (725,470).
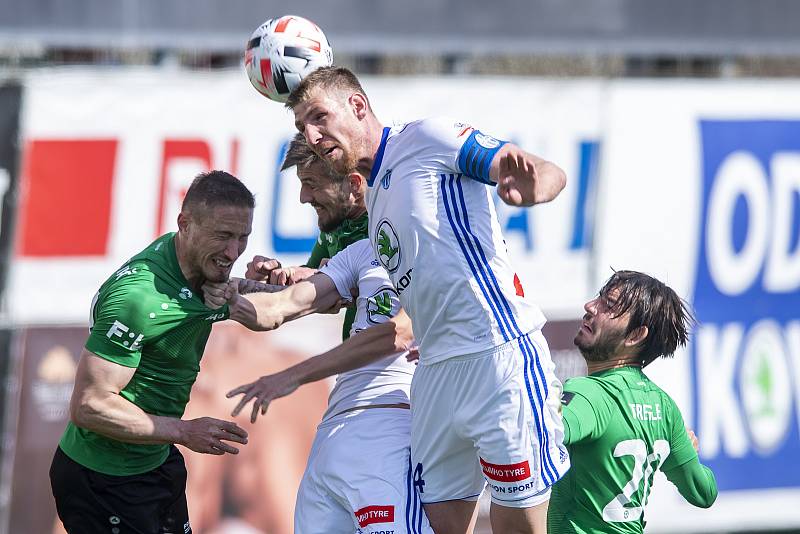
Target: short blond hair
(325,78)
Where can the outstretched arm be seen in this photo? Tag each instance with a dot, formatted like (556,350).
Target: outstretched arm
(524,179)
(361,349)
(268,309)
(96,405)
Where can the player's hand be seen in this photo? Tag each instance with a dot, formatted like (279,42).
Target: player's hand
(262,392)
(516,183)
(260,268)
(217,294)
(413,355)
(292,275)
(208,435)
(693,439)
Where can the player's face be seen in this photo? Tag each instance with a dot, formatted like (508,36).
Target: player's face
(331,128)
(215,239)
(325,194)
(602,332)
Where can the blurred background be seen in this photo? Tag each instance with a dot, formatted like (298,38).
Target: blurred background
(678,124)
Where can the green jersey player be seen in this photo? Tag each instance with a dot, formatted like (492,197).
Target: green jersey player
(116,467)
(341,216)
(620,428)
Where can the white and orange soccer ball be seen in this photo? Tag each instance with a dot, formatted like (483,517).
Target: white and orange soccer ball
(281,52)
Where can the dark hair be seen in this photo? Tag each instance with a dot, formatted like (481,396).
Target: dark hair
(299,154)
(326,78)
(653,304)
(217,188)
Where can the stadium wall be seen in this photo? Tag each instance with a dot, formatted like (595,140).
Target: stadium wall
(661,179)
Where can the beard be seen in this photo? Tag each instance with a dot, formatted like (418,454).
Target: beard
(603,348)
(336,213)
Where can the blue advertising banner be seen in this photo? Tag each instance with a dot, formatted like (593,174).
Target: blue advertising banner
(746,352)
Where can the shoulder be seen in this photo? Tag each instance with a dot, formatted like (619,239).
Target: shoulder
(588,387)
(440,128)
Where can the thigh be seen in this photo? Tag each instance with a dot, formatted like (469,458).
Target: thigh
(316,508)
(373,476)
(88,501)
(453,517)
(516,427)
(444,460)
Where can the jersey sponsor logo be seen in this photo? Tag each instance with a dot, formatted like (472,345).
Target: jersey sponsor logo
(486,141)
(464,129)
(506,473)
(215,317)
(387,246)
(747,346)
(370,515)
(381,305)
(185,293)
(387,178)
(125,271)
(129,339)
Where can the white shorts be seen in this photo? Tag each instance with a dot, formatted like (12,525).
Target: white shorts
(489,417)
(359,477)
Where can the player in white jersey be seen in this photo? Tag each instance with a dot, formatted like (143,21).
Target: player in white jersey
(359,475)
(484,399)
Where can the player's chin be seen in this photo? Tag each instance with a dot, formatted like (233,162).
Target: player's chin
(217,274)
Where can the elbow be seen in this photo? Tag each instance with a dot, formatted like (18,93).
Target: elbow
(556,182)
(82,411)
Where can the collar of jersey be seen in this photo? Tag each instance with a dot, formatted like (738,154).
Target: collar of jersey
(376,165)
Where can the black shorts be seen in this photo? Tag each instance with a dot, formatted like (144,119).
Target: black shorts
(91,502)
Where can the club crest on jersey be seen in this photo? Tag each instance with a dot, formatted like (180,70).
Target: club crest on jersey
(486,141)
(387,246)
(185,293)
(387,177)
(380,305)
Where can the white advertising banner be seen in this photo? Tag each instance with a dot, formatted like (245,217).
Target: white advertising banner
(698,183)
(108,154)
(700,186)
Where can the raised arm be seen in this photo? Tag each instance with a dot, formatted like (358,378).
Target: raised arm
(524,179)
(97,405)
(361,349)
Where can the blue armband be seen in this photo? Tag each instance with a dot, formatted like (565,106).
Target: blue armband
(476,154)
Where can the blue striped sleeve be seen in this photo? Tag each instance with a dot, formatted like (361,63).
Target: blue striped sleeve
(476,154)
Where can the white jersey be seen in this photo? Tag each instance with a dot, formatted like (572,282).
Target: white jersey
(433,226)
(388,380)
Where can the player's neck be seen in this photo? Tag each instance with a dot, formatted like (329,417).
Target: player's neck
(616,363)
(374,135)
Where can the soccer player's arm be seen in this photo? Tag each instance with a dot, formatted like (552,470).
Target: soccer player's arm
(522,178)
(264,309)
(365,347)
(695,481)
(108,362)
(584,410)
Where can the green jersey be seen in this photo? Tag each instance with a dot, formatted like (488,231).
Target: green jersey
(145,316)
(330,243)
(620,428)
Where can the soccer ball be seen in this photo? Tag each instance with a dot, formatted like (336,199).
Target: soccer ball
(283,51)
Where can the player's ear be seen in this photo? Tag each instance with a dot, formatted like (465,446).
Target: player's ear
(636,336)
(357,182)
(358,103)
(183,222)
